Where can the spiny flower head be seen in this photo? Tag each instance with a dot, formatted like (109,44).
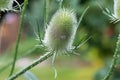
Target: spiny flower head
(6,4)
(117,9)
(61,30)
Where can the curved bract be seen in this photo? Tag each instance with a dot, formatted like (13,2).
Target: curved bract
(61,30)
(6,4)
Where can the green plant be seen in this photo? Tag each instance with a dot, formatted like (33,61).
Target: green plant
(19,35)
(59,36)
(114,61)
(65,31)
(116,52)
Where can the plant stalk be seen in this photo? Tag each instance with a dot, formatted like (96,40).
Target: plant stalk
(19,35)
(114,61)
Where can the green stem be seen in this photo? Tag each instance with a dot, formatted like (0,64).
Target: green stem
(60,4)
(41,59)
(45,14)
(114,61)
(19,35)
(80,19)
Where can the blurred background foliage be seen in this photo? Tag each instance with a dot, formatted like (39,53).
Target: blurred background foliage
(95,55)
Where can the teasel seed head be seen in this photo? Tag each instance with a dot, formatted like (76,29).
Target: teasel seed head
(61,30)
(117,9)
(6,4)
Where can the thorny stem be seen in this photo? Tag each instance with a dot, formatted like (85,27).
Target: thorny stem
(114,61)
(41,59)
(19,35)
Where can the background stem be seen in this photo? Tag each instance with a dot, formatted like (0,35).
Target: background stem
(45,14)
(19,35)
(61,4)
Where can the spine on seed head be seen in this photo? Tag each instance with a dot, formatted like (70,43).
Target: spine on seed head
(61,30)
